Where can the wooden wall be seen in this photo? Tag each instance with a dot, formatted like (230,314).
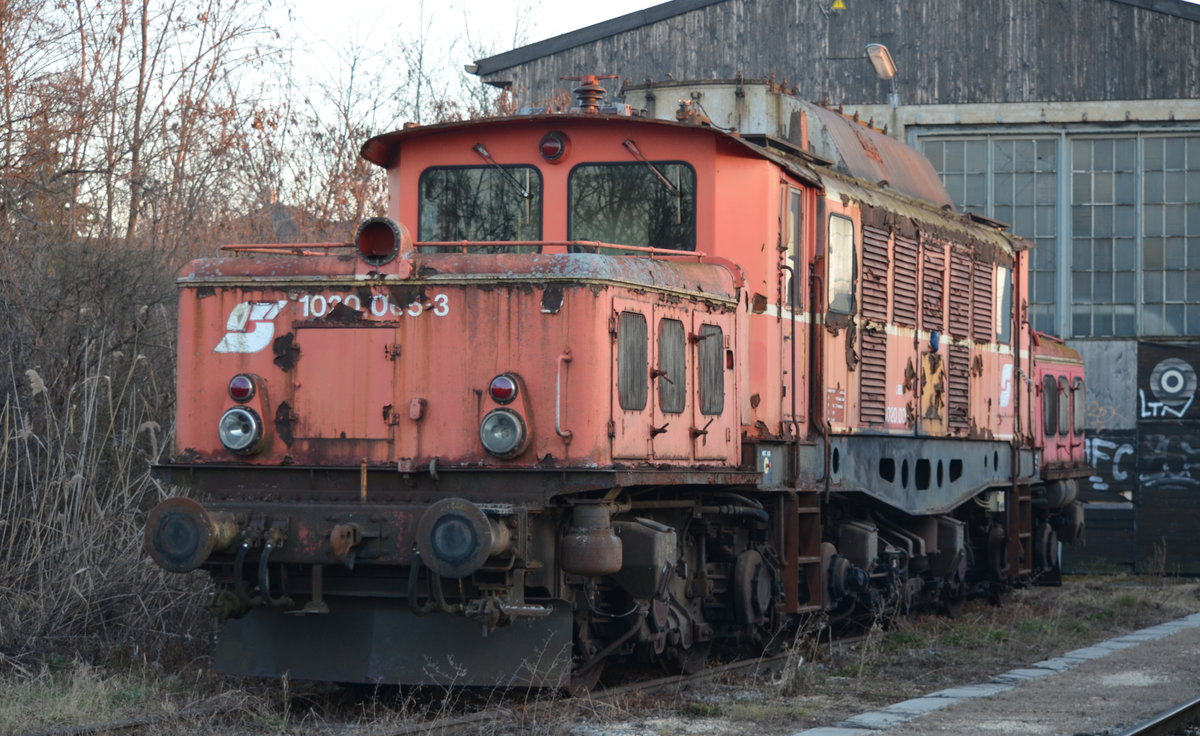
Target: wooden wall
(948,51)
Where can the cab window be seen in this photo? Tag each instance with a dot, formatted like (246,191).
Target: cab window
(841,265)
(650,204)
(480,203)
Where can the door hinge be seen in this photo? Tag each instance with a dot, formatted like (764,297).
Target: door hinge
(391,351)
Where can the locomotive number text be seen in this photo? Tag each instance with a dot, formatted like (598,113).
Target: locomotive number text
(380,305)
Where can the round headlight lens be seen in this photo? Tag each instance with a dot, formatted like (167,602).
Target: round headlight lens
(240,430)
(502,433)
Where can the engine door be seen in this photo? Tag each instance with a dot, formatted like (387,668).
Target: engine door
(632,415)
(714,415)
(793,327)
(344,381)
(672,385)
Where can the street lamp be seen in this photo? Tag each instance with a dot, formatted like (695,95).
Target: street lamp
(885,68)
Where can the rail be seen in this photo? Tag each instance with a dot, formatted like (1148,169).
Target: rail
(1169,721)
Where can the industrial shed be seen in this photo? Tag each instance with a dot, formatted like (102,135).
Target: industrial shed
(1077,122)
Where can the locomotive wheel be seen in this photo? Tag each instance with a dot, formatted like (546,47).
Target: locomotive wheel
(586,647)
(583,683)
(1046,562)
(953,602)
(688,661)
(997,548)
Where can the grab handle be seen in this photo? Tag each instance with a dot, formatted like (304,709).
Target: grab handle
(558,398)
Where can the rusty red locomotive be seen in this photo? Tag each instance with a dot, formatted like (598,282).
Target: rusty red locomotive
(637,387)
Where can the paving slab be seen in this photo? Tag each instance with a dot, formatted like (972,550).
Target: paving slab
(876,719)
(974,690)
(1058,664)
(920,706)
(1022,674)
(1087,653)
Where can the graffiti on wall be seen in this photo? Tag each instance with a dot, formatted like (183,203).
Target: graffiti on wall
(1113,456)
(1169,457)
(1167,382)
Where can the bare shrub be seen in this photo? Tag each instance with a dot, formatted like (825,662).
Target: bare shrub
(86,407)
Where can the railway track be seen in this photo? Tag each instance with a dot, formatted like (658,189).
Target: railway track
(1172,722)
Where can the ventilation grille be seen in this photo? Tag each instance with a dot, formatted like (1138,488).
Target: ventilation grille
(981,303)
(960,293)
(904,282)
(875,270)
(932,281)
(958,402)
(872,378)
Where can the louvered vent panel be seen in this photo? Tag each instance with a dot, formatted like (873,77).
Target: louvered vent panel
(904,282)
(872,377)
(958,380)
(982,325)
(933,274)
(875,269)
(960,293)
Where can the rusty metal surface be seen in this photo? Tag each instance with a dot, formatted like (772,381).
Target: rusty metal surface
(383,150)
(874,157)
(531,487)
(380,641)
(694,274)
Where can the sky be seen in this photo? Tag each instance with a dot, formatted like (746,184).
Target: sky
(490,23)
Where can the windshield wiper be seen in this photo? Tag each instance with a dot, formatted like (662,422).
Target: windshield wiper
(483,153)
(632,148)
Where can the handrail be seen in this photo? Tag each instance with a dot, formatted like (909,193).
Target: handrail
(297,248)
(566,434)
(562,245)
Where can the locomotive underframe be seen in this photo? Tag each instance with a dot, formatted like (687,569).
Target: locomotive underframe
(716,561)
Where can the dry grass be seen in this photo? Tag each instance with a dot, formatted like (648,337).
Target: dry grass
(86,405)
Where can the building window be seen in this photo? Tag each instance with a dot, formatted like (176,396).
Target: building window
(1128,249)
(1104,237)
(1013,180)
(1170,236)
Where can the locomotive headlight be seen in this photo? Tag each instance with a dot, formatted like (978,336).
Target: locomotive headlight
(502,433)
(240,430)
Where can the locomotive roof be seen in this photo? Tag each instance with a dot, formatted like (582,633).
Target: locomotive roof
(381,150)
(849,183)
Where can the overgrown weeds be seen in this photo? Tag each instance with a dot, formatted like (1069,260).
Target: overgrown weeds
(86,406)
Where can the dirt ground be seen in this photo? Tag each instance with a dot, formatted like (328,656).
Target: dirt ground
(825,685)
(821,684)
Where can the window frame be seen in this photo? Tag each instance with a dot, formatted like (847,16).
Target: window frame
(633,380)
(695,198)
(537,217)
(841,302)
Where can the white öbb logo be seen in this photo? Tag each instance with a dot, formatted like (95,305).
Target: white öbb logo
(250,327)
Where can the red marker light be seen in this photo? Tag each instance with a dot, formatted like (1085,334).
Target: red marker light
(503,389)
(553,147)
(241,388)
